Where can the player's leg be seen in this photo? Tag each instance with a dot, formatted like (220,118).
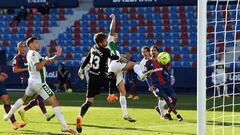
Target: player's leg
(47,94)
(111,88)
(136,68)
(172,94)
(116,66)
(160,107)
(7,108)
(42,106)
(28,94)
(122,99)
(93,89)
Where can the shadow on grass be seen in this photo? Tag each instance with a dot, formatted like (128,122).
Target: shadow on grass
(137,129)
(30,132)
(220,123)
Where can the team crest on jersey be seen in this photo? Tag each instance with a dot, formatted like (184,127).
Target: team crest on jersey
(33,54)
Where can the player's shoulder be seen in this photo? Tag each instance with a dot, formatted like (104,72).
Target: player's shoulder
(16,57)
(33,53)
(148,62)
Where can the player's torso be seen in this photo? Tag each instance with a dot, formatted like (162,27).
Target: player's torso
(22,60)
(34,75)
(157,77)
(98,60)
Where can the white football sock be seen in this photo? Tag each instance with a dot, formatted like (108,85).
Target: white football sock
(123,103)
(225,89)
(137,70)
(46,115)
(60,117)
(161,104)
(14,108)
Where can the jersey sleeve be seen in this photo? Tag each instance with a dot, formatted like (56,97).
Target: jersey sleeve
(15,62)
(87,60)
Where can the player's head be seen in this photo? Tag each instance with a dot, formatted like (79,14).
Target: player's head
(101,39)
(154,51)
(145,52)
(21,47)
(33,43)
(115,37)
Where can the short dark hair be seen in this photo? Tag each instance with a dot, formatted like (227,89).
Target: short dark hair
(30,40)
(145,47)
(99,37)
(154,46)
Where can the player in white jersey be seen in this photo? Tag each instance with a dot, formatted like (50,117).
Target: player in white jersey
(146,56)
(219,76)
(118,66)
(37,82)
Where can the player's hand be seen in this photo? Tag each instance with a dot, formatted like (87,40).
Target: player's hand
(47,52)
(151,88)
(112,16)
(173,80)
(58,51)
(80,73)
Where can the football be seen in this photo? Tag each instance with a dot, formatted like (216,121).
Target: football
(163,58)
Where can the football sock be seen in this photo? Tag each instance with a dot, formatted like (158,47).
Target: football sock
(123,103)
(171,107)
(161,104)
(60,116)
(41,104)
(137,70)
(30,105)
(14,108)
(7,108)
(84,108)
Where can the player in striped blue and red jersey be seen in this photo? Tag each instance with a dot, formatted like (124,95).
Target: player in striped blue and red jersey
(160,83)
(20,66)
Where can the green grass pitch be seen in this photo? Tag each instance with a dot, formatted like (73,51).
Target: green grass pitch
(105,118)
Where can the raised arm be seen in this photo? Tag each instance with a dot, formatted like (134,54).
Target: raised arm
(112,25)
(56,56)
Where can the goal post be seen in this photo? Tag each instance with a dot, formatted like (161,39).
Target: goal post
(218,67)
(201,66)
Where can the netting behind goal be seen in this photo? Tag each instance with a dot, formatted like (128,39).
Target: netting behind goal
(222,67)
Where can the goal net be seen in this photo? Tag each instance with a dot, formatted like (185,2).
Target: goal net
(218,67)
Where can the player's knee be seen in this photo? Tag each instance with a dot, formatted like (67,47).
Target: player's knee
(53,101)
(90,100)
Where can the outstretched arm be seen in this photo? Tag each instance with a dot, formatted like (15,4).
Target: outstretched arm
(112,25)
(57,55)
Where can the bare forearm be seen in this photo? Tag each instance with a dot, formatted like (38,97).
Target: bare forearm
(52,59)
(40,65)
(17,70)
(112,26)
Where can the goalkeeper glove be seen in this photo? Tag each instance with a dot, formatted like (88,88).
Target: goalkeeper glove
(80,74)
